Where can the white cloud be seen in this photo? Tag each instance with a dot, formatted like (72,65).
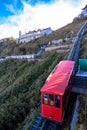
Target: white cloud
(54,15)
(11,8)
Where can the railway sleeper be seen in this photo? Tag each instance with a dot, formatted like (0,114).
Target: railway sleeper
(37,123)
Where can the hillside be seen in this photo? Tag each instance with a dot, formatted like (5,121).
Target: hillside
(21,80)
(11,48)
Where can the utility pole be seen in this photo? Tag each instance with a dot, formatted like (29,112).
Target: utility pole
(20,33)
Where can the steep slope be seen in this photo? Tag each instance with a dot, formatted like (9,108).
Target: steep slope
(20,82)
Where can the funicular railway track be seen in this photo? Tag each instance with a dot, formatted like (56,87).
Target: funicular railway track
(44,124)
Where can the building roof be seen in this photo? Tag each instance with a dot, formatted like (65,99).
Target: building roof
(57,81)
(84,7)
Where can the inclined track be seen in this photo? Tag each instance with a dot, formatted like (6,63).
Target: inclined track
(44,124)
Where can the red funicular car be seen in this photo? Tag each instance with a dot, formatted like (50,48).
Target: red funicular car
(56,90)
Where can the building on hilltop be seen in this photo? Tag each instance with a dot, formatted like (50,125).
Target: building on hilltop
(83,13)
(1,40)
(84,7)
(32,35)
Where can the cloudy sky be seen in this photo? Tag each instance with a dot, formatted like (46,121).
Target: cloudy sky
(28,15)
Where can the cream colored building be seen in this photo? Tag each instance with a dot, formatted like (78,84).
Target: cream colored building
(32,35)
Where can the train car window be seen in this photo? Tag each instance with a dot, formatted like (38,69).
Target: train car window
(65,96)
(51,99)
(45,98)
(64,100)
(58,101)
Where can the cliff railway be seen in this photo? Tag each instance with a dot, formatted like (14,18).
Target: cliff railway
(45,124)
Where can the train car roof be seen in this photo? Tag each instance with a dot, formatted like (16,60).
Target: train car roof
(57,81)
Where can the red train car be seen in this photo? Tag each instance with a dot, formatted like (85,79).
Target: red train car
(56,90)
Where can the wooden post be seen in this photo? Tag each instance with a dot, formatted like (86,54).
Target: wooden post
(86,116)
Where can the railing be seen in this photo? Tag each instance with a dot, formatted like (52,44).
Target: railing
(77,42)
(28,120)
(28,56)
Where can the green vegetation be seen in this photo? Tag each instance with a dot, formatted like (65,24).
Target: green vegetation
(83,98)
(81,125)
(83,53)
(20,85)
